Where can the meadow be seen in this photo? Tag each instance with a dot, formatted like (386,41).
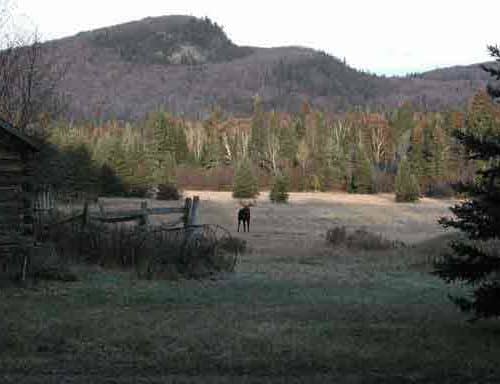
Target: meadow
(295,310)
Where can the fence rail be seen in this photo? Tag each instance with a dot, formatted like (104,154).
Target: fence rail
(141,216)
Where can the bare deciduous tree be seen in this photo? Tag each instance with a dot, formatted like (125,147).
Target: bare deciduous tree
(28,76)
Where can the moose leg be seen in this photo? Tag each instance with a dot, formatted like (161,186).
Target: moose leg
(239,226)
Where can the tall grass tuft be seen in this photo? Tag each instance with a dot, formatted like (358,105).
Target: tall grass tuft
(359,239)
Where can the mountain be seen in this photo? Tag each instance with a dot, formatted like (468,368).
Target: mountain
(187,65)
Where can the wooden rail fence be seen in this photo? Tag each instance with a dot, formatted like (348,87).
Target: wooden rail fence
(189,211)
(141,216)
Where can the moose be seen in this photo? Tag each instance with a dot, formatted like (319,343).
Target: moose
(244,216)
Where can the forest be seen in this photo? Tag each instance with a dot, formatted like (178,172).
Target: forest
(357,152)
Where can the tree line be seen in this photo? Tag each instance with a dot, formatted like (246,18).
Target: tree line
(358,152)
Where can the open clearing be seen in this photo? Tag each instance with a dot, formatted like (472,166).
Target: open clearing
(295,311)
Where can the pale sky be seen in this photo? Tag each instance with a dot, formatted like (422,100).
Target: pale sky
(381,36)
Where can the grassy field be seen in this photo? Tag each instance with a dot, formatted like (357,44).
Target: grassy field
(295,311)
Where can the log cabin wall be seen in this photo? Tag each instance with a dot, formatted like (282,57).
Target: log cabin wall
(15,210)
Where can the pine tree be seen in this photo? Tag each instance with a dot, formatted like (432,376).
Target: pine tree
(407,188)
(476,261)
(245,185)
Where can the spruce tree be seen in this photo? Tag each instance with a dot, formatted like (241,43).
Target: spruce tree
(402,120)
(288,145)
(118,160)
(110,183)
(328,176)
(245,185)
(476,260)
(259,133)
(481,117)
(433,153)
(416,150)
(279,190)
(407,188)
(143,167)
(212,151)
(361,173)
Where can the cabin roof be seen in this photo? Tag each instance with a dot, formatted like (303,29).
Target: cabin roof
(5,126)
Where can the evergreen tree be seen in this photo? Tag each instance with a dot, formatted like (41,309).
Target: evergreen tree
(180,140)
(431,161)
(440,148)
(143,167)
(482,116)
(117,160)
(327,176)
(407,188)
(280,188)
(403,119)
(416,150)
(475,260)
(169,139)
(323,155)
(258,134)
(212,152)
(165,174)
(456,159)
(340,152)
(83,173)
(245,185)
(271,160)
(288,145)
(361,173)
(303,154)
(110,183)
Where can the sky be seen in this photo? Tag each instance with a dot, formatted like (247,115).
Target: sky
(379,36)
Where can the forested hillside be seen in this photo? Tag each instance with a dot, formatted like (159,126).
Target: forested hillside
(187,66)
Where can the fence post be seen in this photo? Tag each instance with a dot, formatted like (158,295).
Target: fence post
(193,218)
(85,214)
(144,220)
(187,211)
(101,208)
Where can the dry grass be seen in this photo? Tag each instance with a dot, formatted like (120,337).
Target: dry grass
(295,311)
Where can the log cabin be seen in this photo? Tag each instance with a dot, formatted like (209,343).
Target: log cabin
(16,152)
